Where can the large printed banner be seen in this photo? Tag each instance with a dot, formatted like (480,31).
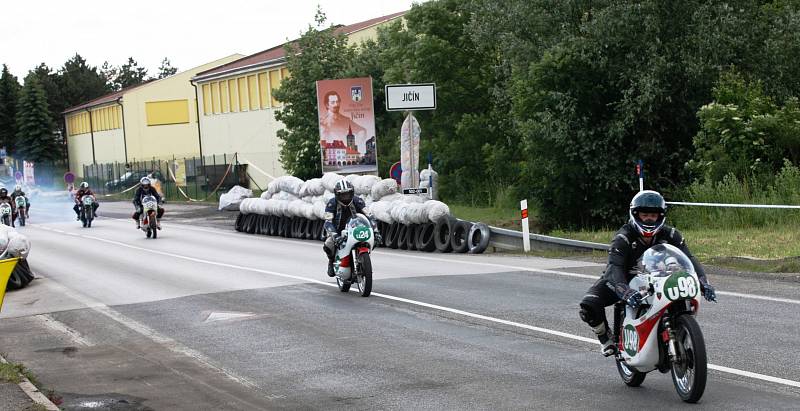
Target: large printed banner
(347,125)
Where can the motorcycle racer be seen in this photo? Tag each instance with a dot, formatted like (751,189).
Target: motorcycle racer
(645,228)
(338,212)
(146,189)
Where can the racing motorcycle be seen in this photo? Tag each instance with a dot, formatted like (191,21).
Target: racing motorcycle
(6,213)
(662,334)
(353,264)
(87,210)
(22,204)
(148,219)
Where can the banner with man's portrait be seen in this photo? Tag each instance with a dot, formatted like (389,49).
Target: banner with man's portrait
(347,125)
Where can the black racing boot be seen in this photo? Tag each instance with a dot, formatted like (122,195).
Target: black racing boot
(608,348)
(331,271)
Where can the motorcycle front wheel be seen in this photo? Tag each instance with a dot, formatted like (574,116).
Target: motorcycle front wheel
(690,369)
(630,377)
(364,276)
(153,228)
(343,285)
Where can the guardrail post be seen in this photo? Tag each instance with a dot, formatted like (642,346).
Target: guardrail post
(526,231)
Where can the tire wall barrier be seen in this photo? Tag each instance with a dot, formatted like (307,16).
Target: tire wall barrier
(447,235)
(293,208)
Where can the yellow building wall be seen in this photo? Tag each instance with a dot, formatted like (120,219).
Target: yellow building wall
(106,122)
(171,103)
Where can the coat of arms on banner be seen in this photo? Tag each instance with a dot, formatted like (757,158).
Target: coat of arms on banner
(355,93)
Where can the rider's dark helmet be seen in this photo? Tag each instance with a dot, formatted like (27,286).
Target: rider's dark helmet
(648,201)
(344,192)
(3,192)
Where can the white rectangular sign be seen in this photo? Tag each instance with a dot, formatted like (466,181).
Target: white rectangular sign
(410,97)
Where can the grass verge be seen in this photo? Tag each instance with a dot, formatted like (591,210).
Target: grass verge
(10,372)
(765,249)
(493,216)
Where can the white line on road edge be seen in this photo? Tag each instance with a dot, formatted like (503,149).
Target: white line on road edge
(32,392)
(48,321)
(728,370)
(476,263)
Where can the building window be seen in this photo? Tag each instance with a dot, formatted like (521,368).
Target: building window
(206,99)
(167,112)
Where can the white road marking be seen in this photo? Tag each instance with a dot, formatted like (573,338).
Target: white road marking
(728,370)
(48,321)
(150,333)
(476,263)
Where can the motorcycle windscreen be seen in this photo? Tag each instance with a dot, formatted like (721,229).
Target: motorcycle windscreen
(663,260)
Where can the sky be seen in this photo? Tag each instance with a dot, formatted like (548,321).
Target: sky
(189,33)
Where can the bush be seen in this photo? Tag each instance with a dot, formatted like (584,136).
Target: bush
(783,188)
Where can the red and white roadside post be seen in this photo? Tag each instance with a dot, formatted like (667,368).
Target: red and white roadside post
(526,236)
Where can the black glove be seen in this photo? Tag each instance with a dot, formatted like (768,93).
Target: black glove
(633,298)
(709,293)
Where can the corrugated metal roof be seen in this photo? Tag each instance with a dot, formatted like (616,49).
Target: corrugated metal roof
(108,98)
(278,52)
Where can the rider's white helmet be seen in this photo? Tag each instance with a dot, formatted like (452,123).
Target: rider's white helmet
(84,185)
(144,181)
(17,187)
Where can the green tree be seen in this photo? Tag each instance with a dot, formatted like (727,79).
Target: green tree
(129,74)
(49,79)
(9,94)
(36,141)
(166,69)
(318,54)
(468,135)
(80,82)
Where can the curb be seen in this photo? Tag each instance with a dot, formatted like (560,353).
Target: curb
(32,392)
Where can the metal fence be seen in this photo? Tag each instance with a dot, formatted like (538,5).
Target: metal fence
(202,178)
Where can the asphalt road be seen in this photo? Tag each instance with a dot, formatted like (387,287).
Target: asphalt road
(207,318)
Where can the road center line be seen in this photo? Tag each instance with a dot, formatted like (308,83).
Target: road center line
(719,368)
(474,263)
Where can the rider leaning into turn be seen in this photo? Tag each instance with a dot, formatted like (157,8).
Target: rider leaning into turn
(338,212)
(645,229)
(146,189)
(84,190)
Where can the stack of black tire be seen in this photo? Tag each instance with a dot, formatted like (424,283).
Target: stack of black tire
(21,276)
(446,235)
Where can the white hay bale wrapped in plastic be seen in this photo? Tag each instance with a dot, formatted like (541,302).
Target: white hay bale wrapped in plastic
(274,207)
(266,195)
(308,211)
(363,184)
(329,180)
(380,210)
(391,198)
(327,196)
(296,208)
(417,213)
(319,210)
(314,187)
(290,184)
(285,196)
(18,244)
(436,210)
(351,178)
(411,198)
(399,212)
(231,200)
(383,188)
(246,206)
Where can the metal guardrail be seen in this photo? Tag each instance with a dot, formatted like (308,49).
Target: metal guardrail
(504,239)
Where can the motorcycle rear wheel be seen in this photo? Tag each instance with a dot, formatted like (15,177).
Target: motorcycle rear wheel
(690,372)
(364,277)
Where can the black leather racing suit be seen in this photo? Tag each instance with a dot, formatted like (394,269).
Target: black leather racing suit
(336,218)
(626,249)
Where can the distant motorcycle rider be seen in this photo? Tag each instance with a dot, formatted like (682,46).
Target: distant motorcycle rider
(146,189)
(4,198)
(19,193)
(84,190)
(339,210)
(645,229)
